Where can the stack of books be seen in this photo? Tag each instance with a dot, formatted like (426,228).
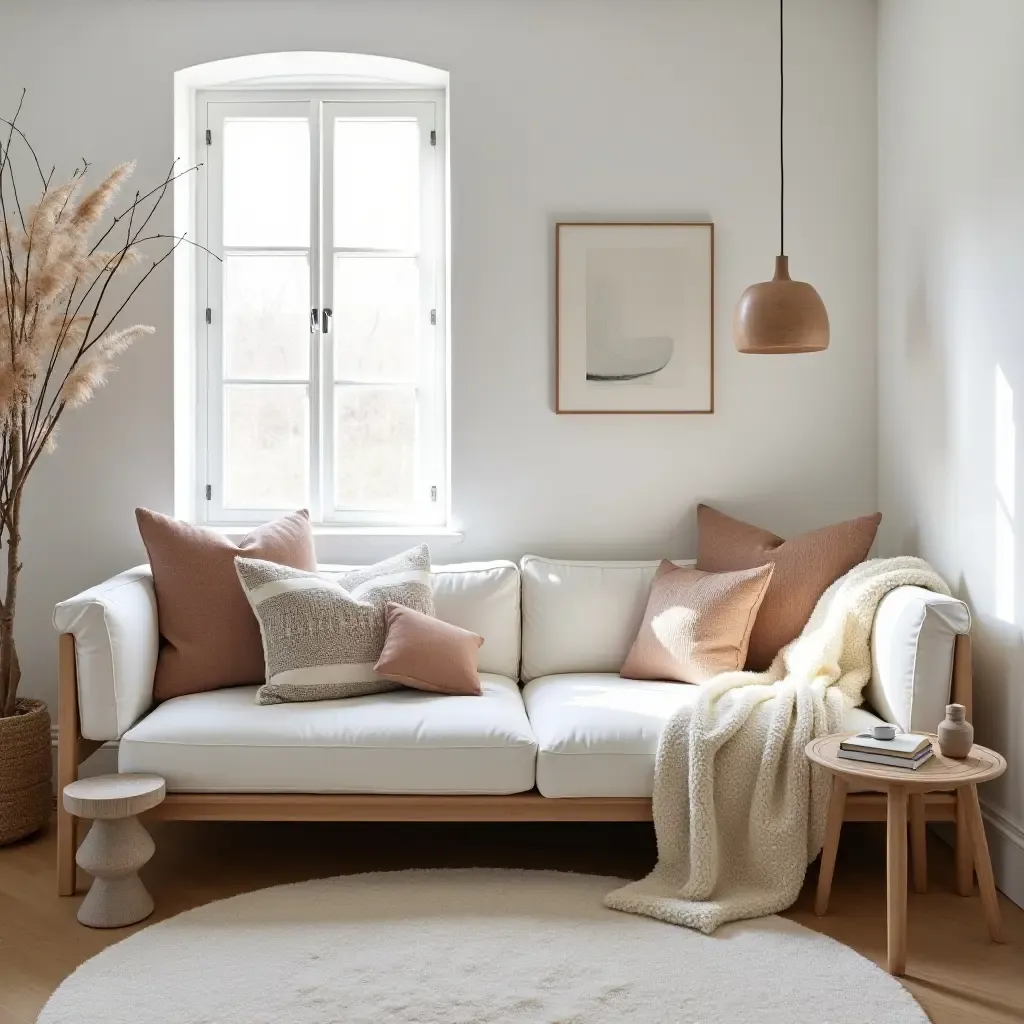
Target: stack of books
(904,750)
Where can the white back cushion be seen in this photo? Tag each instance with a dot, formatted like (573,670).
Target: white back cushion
(912,642)
(581,616)
(479,596)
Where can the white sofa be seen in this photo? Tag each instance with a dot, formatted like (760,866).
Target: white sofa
(555,724)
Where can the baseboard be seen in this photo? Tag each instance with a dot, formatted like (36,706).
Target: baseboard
(103,762)
(1006,847)
(1006,844)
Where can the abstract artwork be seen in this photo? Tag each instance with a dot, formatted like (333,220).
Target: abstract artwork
(635,318)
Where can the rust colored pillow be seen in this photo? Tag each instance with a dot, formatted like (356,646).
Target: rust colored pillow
(697,624)
(429,654)
(211,637)
(804,569)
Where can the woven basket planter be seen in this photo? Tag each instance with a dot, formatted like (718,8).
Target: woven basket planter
(26,770)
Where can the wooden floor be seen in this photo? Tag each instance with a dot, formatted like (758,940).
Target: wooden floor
(956,974)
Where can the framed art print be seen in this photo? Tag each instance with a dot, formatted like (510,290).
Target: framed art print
(635,318)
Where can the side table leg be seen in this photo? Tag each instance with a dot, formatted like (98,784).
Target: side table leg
(833,826)
(918,843)
(964,848)
(112,853)
(896,892)
(983,863)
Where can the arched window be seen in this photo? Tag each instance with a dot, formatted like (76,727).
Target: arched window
(315,363)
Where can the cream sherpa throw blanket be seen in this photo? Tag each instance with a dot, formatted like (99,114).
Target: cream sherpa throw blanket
(738,811)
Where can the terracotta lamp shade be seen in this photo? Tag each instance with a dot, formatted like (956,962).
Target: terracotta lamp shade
(780,316)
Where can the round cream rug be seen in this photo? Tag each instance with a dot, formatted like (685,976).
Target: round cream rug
(469,947)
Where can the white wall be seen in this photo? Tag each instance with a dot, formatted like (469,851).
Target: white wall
(598,109)
(951,342)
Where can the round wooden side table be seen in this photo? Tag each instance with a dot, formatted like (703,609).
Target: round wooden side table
(116,846)
(939,774)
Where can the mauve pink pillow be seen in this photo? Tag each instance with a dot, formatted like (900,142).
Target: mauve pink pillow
(211,637)
(429,654)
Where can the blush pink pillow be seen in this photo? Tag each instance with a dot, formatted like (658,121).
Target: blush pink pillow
(697,624)
(428,654)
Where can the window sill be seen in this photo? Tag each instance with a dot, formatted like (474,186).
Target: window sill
(329,530)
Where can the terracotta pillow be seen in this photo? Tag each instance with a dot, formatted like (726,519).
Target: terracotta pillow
(428,654)
(804,569)
(697,624)
(211,637)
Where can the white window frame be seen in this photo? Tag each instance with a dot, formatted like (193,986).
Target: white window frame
(431,507)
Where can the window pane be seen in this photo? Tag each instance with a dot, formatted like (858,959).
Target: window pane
(377,309)
(266,182)
(374,442)
(376,184)
(266,445)
(266,316)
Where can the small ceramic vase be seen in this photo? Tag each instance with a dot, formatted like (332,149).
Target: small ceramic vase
(956,734)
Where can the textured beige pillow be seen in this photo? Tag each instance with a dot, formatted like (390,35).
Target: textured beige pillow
(805,567)
(211,638)
(321,637)
(428,654)
(697,624)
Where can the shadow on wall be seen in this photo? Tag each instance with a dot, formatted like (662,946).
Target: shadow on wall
(963,401)
(988,533)
(927,375)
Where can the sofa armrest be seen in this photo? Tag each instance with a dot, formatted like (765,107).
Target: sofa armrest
(912,642)
(117,640)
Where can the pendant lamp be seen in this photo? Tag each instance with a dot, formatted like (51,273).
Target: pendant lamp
(781,315)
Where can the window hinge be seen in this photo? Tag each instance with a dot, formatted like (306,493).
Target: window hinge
(433,317)
(433,138)
(209,315)
(209,137)
(433,493)
(209,492)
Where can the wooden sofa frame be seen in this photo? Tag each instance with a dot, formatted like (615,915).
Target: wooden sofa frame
(73,749)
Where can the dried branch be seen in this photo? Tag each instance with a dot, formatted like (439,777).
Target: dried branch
(45,179)
(60,326)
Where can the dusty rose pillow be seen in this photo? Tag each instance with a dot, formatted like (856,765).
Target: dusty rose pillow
(804,569)
(211,637)
(697,624)
(428,654)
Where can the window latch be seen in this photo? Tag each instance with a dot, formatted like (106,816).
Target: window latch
(325,323)
(314,320)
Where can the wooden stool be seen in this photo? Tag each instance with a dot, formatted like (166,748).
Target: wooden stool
(939,774)
(116,847)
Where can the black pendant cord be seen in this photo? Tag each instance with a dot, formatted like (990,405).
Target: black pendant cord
(782,144)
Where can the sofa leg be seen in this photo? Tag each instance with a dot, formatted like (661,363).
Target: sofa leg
(68,759)
(66,867)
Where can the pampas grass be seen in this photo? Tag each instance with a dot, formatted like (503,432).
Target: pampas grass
(63,295)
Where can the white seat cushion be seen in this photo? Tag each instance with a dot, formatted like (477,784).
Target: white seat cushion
(406,741)
(598,734)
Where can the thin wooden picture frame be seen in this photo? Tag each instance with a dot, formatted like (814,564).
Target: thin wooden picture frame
(564,323)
